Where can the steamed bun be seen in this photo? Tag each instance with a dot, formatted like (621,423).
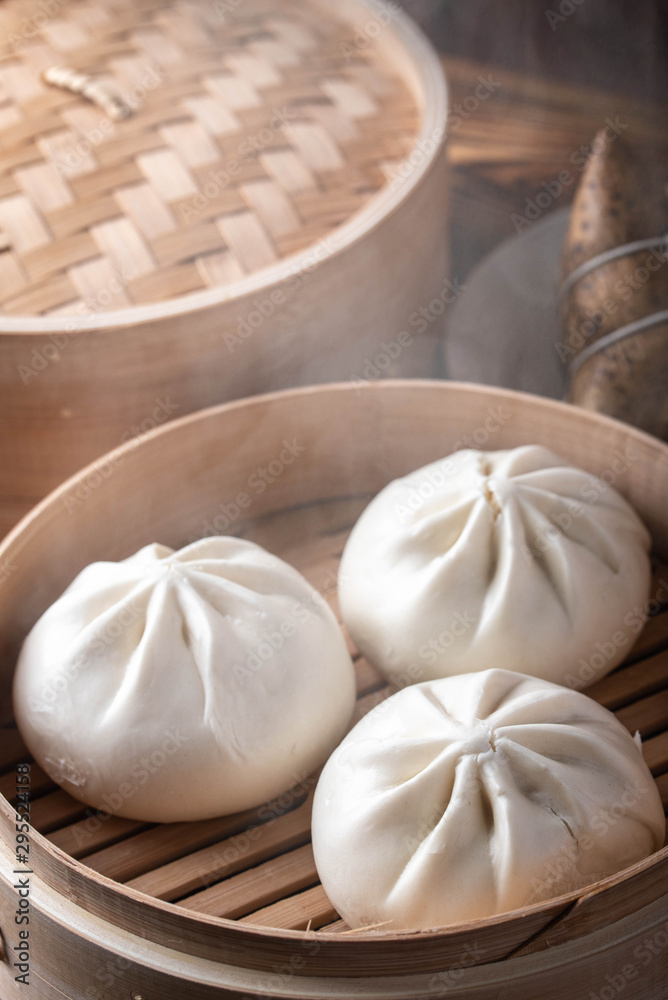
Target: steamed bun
(184,685)
(511,559)
(469,796)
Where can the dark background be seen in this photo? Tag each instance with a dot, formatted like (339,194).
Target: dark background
(566,67)
(612,44)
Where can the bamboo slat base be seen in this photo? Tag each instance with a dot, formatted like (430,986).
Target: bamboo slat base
(270,880)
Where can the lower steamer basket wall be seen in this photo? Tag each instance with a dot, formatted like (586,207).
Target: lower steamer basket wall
(232,907)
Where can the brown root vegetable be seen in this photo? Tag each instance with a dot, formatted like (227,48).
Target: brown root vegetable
(614,206)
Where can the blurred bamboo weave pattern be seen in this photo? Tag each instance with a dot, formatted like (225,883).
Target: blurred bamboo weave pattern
(256,128)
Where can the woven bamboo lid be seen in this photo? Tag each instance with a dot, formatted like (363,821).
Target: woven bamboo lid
(199,143)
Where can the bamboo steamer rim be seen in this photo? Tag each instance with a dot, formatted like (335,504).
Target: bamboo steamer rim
(652,445)
(75,874)
(425,78)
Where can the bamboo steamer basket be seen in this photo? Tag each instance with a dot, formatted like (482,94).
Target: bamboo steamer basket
(232,907)
(270,213)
